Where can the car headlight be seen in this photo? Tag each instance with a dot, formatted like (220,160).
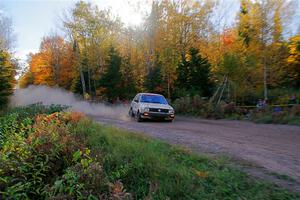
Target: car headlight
(146,109)
(171,110)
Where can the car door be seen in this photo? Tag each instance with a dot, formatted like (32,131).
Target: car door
(135,104)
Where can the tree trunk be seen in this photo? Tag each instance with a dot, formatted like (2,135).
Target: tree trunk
(89,79)
(265,79)
(169,93)
(82,83)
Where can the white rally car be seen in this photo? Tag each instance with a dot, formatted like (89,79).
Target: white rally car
(151,106)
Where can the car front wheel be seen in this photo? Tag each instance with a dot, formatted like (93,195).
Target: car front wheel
(138,117)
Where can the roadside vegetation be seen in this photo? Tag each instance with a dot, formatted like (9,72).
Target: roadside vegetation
(179,50)
(64,155)
(198,107)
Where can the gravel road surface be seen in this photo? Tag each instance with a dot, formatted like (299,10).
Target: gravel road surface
(271,152)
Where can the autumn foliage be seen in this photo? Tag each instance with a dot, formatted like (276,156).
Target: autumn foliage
(102,59)
(53,65)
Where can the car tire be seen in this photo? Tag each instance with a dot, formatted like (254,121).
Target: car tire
(130,113)
(138,117)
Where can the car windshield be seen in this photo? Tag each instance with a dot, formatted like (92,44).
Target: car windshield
(148,98)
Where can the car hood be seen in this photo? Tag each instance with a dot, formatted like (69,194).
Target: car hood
(156,105)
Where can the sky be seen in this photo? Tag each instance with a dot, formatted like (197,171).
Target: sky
(33,19)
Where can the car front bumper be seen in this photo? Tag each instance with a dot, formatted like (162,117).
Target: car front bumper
(155,115)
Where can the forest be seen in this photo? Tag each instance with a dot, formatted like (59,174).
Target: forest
(182,48)
(188,50)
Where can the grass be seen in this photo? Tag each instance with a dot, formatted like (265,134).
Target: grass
(155,170)
(67,156)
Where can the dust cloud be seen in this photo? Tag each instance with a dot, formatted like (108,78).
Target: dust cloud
(48,96)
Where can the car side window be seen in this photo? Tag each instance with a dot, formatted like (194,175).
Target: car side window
(136,98)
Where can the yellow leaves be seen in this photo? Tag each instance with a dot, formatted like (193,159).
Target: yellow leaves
(294,50)
(188,57)
(41,70)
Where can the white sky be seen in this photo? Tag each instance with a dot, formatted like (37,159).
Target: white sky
(33,19)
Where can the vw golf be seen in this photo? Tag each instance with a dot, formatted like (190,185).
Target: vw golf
(151,106)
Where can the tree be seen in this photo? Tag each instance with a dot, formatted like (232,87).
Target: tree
(294,61)
(246,58)
(92,32)
(183,75)
(200,73)
(154,79)
(25,80)
(194,74)
(128,80)
(53,64)
(7,77)
(59,56)
(7,36)
(111,80)
(245,29)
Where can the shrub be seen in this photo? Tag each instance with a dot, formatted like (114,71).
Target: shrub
(31,111)
(84,180)
(45,159)
(190,105)
(199,107)
(229,108)
(296,110)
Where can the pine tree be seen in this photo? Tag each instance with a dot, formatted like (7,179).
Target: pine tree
(200,73)
(128,81)
(154,79)
(194,74)
(183,75)
(112,79)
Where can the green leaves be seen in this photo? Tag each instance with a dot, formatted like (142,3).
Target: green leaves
(76,156)
(7,77)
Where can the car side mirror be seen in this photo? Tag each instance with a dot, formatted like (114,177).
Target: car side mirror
(136,100)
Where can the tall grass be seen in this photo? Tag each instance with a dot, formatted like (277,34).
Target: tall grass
(155,170)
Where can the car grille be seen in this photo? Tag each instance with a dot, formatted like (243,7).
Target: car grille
(159,110)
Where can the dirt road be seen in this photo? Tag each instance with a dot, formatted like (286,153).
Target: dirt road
(271,149)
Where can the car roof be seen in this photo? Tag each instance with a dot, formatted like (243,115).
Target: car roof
(146,93)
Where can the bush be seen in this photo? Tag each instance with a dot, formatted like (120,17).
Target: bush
(267,115)
(296,110)
(190,105)
(18,119)
(33,110)
(197,106)
(46,160)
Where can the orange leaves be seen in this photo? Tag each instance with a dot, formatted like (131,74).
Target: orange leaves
(41,70)
(60,117)
(51,133)
(53,65)
(228,38)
